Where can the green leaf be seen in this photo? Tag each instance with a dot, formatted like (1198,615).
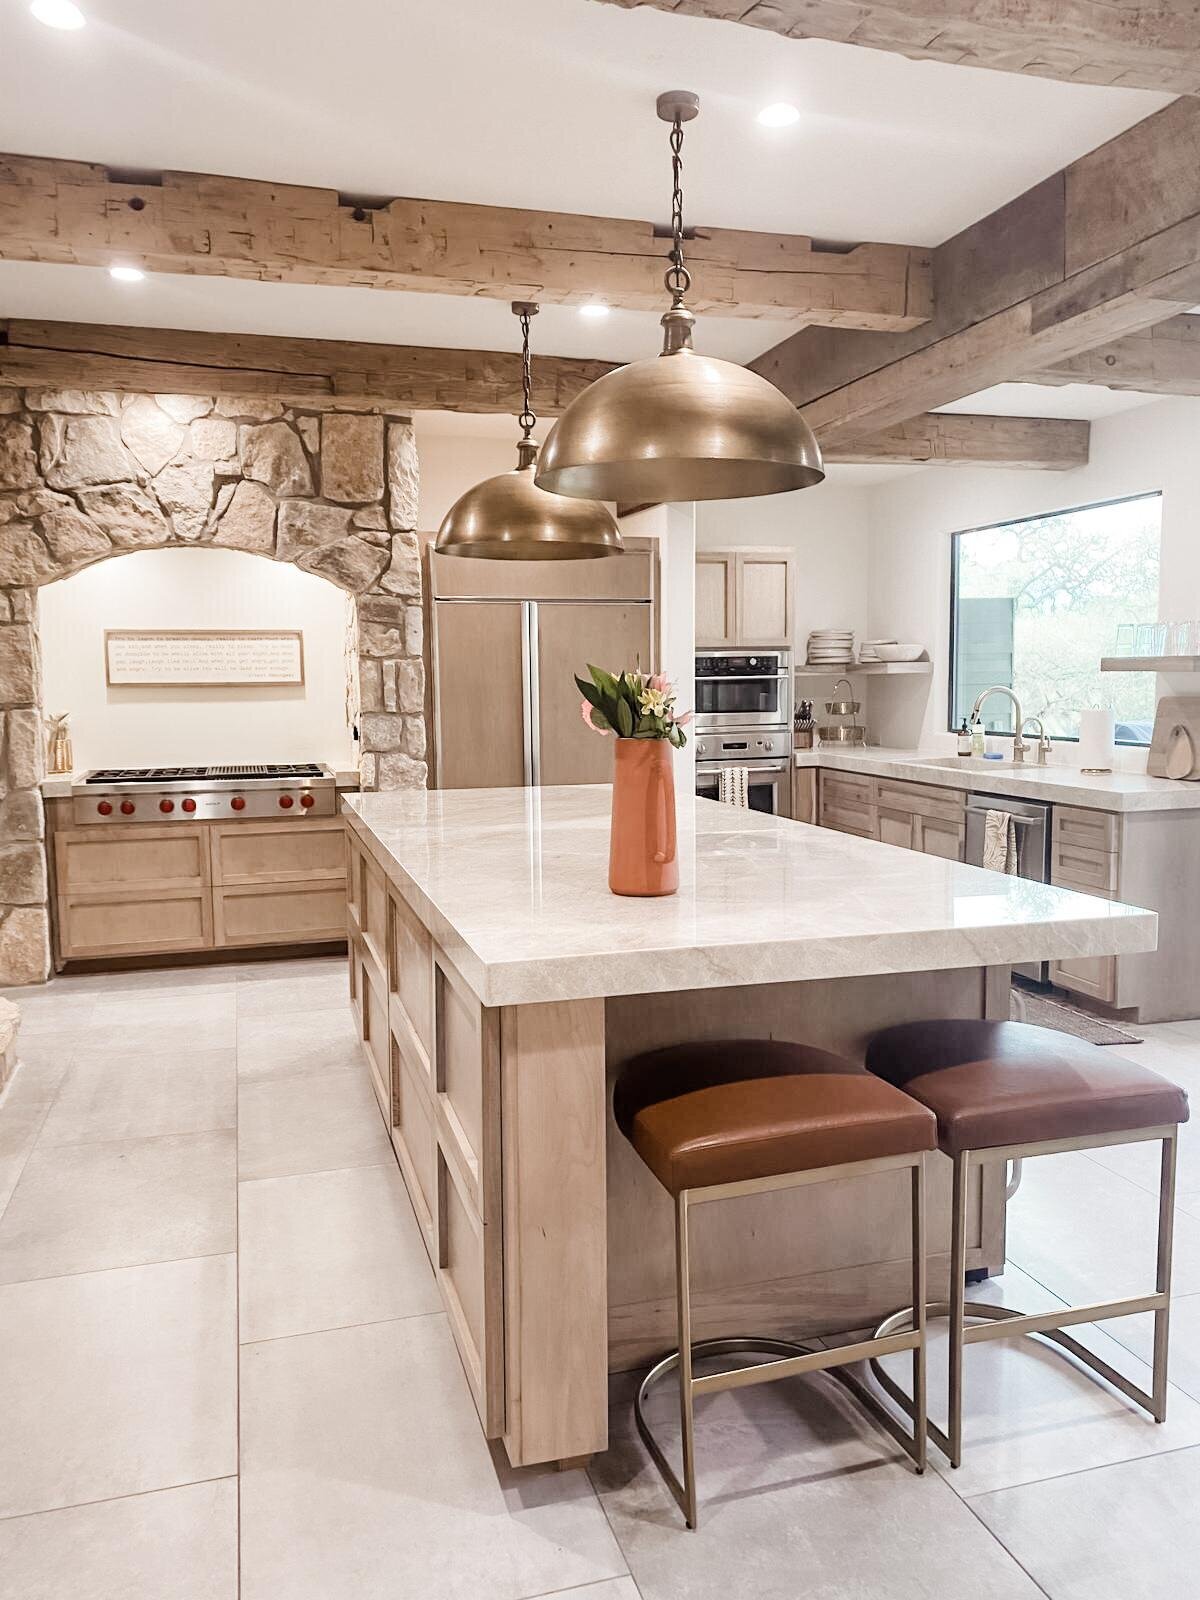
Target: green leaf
(599,720)
(605,682)
(624,719)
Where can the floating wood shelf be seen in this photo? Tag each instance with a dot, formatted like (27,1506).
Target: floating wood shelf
(875,668)
(1150,664)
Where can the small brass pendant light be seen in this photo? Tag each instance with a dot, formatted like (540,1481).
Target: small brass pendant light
(679,426)
(509,518)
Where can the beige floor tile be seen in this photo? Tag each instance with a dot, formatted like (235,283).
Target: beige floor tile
(85,1207)
(1137,1334)
(292,967)
(169,1036)
(309,1124)
(1089,1234)
(799,1495)
(298,1043)
(184,1009)
(24,1106)
(137,1097)
(324,990)
(364,1473)
(1128,1532)
(117,1382)
(180,1543)
(610,1589)
(327,1250)
(48,1010)
(47,1056)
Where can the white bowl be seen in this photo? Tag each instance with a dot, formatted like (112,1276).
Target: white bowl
(899,652)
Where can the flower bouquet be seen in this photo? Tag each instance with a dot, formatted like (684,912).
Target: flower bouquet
(640,711)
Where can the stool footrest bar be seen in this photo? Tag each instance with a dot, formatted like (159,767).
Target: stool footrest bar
(795,1366)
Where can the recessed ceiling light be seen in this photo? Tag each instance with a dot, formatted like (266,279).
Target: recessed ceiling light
(594,308)
(126,274)
(779,115)
(58,14)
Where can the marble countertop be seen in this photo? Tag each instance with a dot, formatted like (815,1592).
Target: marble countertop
(513,885)
(1116,791)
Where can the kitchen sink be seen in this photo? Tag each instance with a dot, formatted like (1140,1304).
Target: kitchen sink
(971,764)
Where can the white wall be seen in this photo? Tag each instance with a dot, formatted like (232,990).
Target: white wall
(1151,447)
(203,588)
(674,528)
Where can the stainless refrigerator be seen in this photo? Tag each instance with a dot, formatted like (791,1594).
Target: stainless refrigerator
(506,645)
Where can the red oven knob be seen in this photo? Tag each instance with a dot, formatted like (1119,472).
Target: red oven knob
(105,808)
(286,801)
(166,805)
(127,808)
(189,805)
(238,803)
(307,800)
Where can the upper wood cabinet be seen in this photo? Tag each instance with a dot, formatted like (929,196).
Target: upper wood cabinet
(744,597)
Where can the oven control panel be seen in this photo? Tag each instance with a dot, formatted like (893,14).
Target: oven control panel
(756,666)
(742,747)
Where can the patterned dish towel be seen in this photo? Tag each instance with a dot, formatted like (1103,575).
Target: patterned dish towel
(1000,843)
(733,786)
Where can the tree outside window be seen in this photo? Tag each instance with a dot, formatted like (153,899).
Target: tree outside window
(1038,602)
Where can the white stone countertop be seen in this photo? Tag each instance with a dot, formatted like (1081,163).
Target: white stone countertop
(1116,791)
(513,885)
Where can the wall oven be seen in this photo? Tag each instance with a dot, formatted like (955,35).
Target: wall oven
(769,786)
(743,691)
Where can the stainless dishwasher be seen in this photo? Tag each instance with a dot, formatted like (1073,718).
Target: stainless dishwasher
(1032,819)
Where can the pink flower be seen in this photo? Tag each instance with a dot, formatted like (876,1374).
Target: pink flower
(659,680)
(585,711)
(682,722)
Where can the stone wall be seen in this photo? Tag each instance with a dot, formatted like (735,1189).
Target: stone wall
(87,475)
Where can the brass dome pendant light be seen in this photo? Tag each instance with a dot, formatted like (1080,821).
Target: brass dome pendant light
(679,426)
(509,518)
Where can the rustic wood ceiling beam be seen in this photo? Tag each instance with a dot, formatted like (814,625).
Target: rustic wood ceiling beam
(1105,248)
(316,372)
(1049,444)
(1151,46)
(80,213)
(1164,359)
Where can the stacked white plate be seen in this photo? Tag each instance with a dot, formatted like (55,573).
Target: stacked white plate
(831,647)
(867,650)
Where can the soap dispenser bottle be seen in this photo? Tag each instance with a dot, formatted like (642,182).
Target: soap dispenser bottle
(978,738)
(964,739)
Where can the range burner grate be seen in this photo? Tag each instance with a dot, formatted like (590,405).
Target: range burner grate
(268,770)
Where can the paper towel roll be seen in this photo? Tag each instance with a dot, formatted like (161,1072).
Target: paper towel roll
(1096,737)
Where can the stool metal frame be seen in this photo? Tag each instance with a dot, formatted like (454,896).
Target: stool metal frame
(791,1359)
(1000,1322)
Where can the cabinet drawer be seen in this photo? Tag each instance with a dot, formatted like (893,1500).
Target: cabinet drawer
(846,786)
(1096,830)
(849,818)
(924,800)
(273,852)
(131,922)
(1080,867)
(124,858)
(1091,975)
(286,913)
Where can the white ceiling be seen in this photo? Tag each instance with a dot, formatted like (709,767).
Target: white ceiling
(540,103)
(1085,401)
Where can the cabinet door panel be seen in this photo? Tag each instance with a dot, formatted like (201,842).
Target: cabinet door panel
(274,852)
(470,1278)
(935,837)
(764,598)
(284,913)
(895,827)
(132,923)
(478,707)
(411,976)
(715,580)
(1091,975)
(106,858)
(568,638)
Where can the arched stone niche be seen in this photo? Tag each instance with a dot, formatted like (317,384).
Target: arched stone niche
(89,475)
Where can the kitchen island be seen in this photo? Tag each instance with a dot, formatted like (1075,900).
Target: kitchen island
(498,987)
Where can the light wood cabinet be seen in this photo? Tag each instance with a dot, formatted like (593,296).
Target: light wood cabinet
(911,816)
(935,836)
(744,597)
(149,890)
(433,1057)
(1084,855)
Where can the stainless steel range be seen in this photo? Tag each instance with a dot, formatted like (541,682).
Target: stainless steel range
(191,794)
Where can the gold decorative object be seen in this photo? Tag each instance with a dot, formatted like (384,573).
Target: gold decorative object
(679,426)
(59,742)
(509,518)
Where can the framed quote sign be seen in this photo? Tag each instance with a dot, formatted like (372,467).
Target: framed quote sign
(193,657)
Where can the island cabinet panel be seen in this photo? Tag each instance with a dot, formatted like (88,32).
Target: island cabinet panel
(376,1034)
(373,912)
(415,1142)
(411,979)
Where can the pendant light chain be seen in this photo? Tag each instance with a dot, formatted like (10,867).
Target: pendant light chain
(527,419)
(677,279)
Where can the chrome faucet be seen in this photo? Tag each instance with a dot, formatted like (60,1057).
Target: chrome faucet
(1043,744)
(1019,745)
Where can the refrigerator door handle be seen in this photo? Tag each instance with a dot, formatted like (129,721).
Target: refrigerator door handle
(532,703)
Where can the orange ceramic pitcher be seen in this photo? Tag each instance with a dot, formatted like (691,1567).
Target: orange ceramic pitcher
(642,858)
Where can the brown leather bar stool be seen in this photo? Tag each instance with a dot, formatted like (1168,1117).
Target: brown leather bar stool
(1006,1091)
(735,1117)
